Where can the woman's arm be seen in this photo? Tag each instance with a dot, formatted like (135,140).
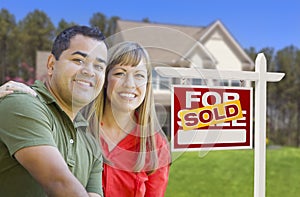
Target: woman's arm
(11,86)
(4,90)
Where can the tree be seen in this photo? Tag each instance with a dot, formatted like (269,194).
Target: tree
(146,20)
(7,42)
(99,20)
(251,53)
(107,26)
(269,54)
(63,25)
(37,34)
(285,107)
(111,26)
(298,100)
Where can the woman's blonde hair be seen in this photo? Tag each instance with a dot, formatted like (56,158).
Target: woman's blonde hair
(131,53)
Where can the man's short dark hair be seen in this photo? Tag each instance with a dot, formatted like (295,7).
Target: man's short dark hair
(62,41)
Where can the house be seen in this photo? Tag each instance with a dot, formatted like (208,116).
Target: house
(209,47)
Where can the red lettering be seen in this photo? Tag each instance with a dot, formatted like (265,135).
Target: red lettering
(190,119)
(228,109)
(209,117)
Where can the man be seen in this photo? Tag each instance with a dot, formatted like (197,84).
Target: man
(45,149)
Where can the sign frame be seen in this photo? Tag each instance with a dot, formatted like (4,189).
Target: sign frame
(217,133)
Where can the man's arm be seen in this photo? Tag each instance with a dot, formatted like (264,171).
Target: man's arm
(94,195)
(47,166)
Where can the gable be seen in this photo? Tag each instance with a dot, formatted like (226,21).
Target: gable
(226,50)
(227,57)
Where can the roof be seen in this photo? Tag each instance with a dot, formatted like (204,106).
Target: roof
(189,30)
(165,43)
(170,45)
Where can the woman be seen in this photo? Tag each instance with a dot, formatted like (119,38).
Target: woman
(136,151)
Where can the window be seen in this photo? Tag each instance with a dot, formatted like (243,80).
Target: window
(164,83)
(160,83)
(155,80)
(197,81)
(235,83)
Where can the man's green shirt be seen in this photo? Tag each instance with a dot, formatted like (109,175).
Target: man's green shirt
(32,121)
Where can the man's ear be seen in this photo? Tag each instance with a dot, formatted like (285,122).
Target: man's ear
(50,64)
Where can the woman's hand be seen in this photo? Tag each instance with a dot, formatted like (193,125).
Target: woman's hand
(11,86)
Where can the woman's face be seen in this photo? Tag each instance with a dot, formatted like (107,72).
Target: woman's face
(126,86)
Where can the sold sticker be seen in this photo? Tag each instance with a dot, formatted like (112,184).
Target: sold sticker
(210,115)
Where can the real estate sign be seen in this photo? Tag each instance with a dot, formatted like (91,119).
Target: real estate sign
(211,118)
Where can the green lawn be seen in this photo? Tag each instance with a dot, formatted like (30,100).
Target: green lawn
(230,173)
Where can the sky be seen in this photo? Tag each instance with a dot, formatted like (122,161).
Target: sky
(253,23)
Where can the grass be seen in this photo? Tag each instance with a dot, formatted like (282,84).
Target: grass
(230,173)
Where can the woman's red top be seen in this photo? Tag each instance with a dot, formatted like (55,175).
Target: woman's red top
(118,178)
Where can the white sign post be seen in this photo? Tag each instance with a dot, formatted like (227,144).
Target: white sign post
(261,77)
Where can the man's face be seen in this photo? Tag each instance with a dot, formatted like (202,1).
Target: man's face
(78,76)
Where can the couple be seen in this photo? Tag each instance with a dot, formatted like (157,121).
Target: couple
(47,146)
